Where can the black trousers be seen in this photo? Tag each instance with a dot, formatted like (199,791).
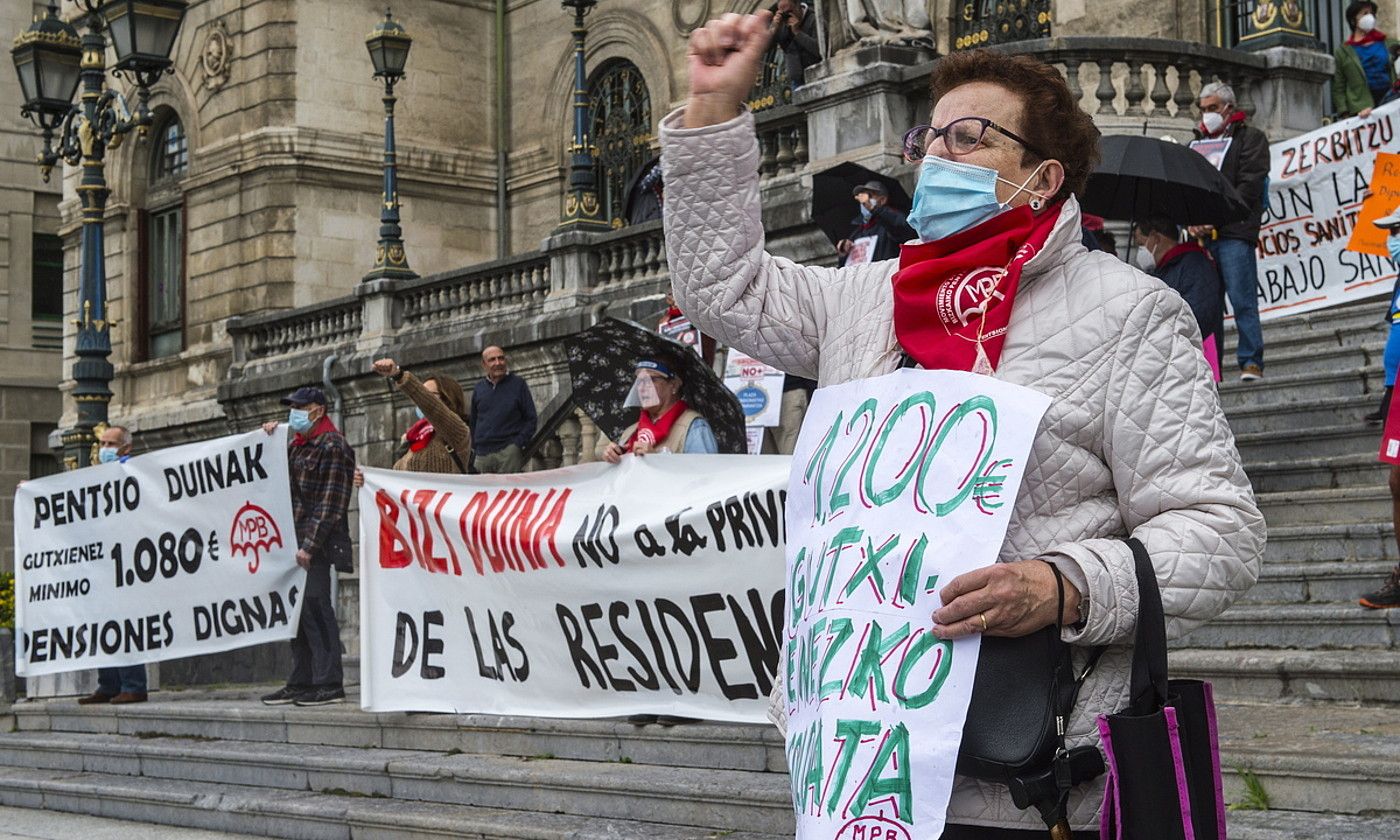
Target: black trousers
(316,648)
(977,832)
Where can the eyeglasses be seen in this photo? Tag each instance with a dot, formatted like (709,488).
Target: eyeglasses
(960,137)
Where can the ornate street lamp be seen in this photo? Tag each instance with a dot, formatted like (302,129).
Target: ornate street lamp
(582,210)
(50,59)
(388,48)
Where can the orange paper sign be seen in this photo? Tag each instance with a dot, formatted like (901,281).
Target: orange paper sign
(1383,199)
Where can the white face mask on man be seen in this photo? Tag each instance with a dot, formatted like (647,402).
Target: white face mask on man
(1144,260)
(1212,122)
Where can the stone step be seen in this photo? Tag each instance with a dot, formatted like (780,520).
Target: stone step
(1314,757)
(1308,543)
(1315,356)
(1326,473)
(235,715)
(1302,825)
(1305,626)
(1356,381)
(1294,414)
(1345,506)
(1318,326)
(720,800)
(1317,582)
(307,815)
(1324,441)
(1261,674)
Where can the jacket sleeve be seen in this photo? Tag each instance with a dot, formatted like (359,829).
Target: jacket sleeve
(1181,488)
(446,422)
(769,307)
(1339,83)
(806,38)
(336,469)
(1253,168)
(896,223)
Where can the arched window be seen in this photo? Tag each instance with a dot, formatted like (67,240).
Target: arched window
(162,283)
(977,23)
(621,132)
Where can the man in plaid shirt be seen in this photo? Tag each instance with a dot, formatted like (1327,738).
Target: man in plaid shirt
(321,466)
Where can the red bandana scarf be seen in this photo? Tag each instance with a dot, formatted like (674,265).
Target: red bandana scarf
(320,427)
(654,432)
(953,296)
(419,435)
(1365,38)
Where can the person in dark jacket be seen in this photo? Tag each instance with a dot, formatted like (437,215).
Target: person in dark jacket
(1365,75)
(1187,269)
(503,416)
(876,219)
(794,29)
(1246,167)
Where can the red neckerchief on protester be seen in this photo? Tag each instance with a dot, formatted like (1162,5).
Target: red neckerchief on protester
(1180,251)
(940,288)
(1366,38)
(1236,116)
(673,312)
(419,435)
(321,426)
(657,429)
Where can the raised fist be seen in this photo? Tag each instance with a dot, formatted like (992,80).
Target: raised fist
(724,60)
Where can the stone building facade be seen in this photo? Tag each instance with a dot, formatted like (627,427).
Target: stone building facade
(238,233)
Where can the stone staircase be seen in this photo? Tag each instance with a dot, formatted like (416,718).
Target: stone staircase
(1309,686)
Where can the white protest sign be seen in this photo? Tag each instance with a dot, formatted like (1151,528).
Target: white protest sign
(899,484)
(650,586)
(758,386)
(179,552)
(1317,184)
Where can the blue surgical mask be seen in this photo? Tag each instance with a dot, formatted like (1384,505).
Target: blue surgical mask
(1393,243)
(951,197)
(418,412)
(299,419)
(865,212)
(108,455)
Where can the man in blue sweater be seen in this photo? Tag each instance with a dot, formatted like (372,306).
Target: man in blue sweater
(503,416)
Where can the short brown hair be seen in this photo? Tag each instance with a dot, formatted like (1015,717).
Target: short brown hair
(450,392)
(1051,119)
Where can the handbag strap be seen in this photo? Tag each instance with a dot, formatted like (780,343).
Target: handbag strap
(1148,689)
(457,459)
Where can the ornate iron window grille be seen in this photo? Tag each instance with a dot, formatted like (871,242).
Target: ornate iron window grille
(621,130)
(978,23)
(772,88)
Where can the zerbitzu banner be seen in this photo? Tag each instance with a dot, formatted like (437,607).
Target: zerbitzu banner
(178,552)
(899,484)
(1317,185)
(650,586)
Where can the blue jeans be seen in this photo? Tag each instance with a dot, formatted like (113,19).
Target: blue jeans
(129,679)
(1238,268)
(1392,354)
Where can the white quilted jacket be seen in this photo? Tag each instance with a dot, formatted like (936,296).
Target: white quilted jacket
(1134,441)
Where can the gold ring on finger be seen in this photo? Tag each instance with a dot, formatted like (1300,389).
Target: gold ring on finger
(983,616)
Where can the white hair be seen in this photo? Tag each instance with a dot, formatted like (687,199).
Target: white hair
(126,433)
(1220,90)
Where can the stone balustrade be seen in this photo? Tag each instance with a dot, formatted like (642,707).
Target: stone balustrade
(297,331)
(782,140)
(519,281)
(635,253)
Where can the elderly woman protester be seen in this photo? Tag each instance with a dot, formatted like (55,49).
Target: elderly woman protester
(439,440)
(1134,442)
(665,423)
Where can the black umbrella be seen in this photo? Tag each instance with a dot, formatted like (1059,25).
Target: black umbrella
(602,367)
(1140,177)
(832,205)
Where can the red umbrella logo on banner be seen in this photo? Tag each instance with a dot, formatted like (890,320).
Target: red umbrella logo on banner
(254,530)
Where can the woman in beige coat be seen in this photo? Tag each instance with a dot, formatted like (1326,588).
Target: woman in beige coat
(1134,442)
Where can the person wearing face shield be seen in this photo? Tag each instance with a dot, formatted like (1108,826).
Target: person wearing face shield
(1134,442)
(1187,269)
(321,468)
(1365,70)
(665,423)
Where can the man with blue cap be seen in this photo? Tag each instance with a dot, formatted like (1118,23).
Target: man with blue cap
(321,466)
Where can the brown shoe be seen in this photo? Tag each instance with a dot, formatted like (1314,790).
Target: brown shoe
(129,697)
(95,698)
